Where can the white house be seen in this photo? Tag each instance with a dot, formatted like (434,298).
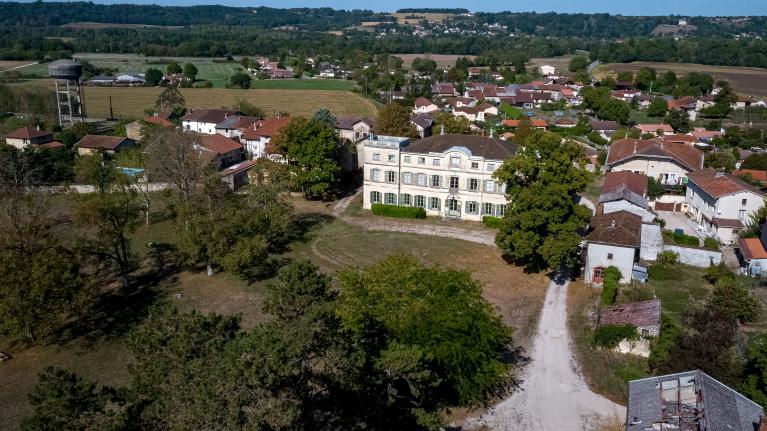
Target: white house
(476,113)
(204,120)
(614,240)
(625,191)
(424,106)
(353,129)
(669,163)
(448,175)
(722,203)
(28,136)
(257,135)
(547,70)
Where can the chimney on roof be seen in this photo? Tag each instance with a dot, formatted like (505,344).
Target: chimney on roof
(612,224)
(38,127)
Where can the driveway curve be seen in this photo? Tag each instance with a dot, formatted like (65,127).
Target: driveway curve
(553,394)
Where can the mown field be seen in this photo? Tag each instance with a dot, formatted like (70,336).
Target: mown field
(442,60)
(102,25)
(133,102)
(744,80)
(305,84)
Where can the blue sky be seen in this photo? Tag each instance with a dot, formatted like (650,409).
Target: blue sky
(635,7)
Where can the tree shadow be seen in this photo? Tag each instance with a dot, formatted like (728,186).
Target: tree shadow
(307,223)
(116,312)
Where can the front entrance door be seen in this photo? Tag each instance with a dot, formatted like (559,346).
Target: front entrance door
(598,276)
(453,208)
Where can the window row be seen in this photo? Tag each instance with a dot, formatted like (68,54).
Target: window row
(455,162)
(435,203)
(423,180)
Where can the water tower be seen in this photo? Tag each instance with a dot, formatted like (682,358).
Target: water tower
(66,76)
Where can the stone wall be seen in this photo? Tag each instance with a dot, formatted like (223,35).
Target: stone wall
(696,256)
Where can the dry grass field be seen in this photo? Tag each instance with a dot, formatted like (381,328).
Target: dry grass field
(745,80)
(132,102)
(443,60)
(428,16)
(560,63)
(12,64)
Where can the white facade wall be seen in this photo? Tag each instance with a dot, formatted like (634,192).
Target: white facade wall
(624,205)
(256,147)
(199,127)
(660,169)
(415,179)
(622,258)
(738,206)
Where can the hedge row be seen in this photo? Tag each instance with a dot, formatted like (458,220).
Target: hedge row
(398,212)
(610,285)
(492,222)
(683,239)
(610,335)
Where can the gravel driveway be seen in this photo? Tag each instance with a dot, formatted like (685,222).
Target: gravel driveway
(553,395)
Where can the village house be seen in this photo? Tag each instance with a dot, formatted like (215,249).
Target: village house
(535,124)
(424,106)
(204,120)
(236,176)
(655,129)
(134,131)
(31,137)
(458,102)
(722,203)
(443,89)
(423,124)
(259,133)
(615,240)
(231,125)
(686,104)
(353,129)
(625,191)
(752,254)
(95,144)
(222,151)
(604,128)
(448,175)
(476,113)
(703,135)
(752,175)
(687,401)
(667,163)
(547,70)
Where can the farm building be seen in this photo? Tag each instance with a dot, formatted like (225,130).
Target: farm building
(95,144)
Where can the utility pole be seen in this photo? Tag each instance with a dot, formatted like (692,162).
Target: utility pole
(111,114)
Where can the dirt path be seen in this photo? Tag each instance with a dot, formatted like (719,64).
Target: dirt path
(408,226)
(553,395)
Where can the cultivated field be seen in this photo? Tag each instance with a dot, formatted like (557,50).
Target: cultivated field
(102,25)
(133,102)
(428,16)
(443,60)
(560,63)
(744,80)
(305,84)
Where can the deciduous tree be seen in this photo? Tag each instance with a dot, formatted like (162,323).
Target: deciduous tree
(542,222)
(394,120)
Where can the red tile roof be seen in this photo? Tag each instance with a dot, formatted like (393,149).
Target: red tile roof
(219,144)
(28,133)
(159,121)
(633,181)
(653,128)
(208,115)
(755,174)
(533,123)
(681,103)
(620,228)
(239,167)
(625,149)
(727,222)
(101,142)
(718,184)
(752,248)
(684,139)
(52,144)
(267,127)
(423,102)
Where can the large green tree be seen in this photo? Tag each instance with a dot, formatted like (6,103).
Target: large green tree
(312,150)
(658,107)
(394,120)
(542,222)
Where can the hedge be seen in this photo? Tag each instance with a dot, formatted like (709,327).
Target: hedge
(711,243)
(398,212)
(610,285)
(492,222)
(610,335)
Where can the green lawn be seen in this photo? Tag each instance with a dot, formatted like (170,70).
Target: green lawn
(305,84)
(680,288)
(217,73)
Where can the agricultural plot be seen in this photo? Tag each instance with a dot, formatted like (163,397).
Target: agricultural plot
(305,84)
(442,60)
(133,102)
(744,80)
